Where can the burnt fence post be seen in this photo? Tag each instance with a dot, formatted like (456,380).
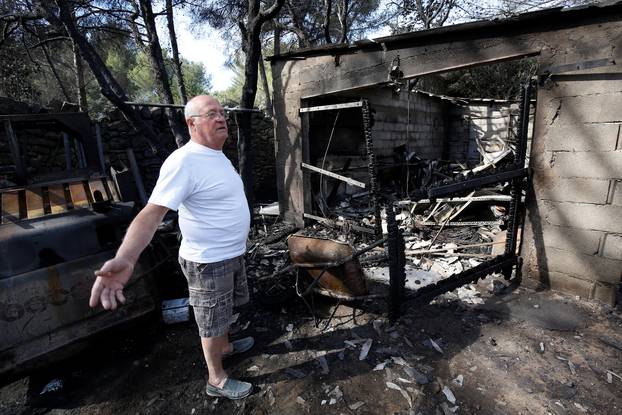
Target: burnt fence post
(397,262)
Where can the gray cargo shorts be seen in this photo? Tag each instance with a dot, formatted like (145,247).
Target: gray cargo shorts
(214,289)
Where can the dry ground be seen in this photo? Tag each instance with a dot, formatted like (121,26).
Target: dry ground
(523,351)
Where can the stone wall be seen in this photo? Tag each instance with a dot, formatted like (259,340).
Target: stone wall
(118,135)
(262,147)
(44,151)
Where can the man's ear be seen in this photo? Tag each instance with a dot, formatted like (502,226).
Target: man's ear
(190,122)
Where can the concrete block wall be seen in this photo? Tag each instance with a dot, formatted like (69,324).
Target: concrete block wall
(581,228)
(419,121)
(573,238)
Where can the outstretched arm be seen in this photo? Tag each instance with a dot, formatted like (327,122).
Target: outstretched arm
(116,272)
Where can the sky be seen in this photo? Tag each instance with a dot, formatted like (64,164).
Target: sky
(205,47)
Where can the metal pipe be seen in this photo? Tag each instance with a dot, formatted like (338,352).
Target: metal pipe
(158,105)
(137,178)
(80,153)
(67,146)
(20,169)
(100,148)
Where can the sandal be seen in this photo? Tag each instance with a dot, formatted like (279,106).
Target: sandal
(232,389)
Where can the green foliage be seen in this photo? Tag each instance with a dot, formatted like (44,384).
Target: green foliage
(141,82)
(498,81)
(15,73)
(196,80)
(119,61)
(230,96)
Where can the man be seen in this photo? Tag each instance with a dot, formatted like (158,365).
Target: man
(200,182)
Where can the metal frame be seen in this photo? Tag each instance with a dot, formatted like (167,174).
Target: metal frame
(504,263)
(76,125)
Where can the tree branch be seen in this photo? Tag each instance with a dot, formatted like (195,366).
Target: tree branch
(328,8)
(48,40)
(271,12)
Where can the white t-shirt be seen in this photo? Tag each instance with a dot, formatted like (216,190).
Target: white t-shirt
(203,186)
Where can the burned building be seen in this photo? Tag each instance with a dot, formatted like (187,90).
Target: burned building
(571,239)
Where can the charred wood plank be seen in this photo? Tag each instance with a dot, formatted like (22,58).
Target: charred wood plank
(468,184)
(356,104)
(333,223)
(348,180)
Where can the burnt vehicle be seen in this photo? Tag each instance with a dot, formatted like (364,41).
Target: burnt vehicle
(62,217)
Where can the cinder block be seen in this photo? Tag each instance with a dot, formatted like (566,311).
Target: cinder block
(541,160)
(549,187)
(606,293)
(605,165)
(582,216)
(587,267)
(616,197)
(581,137)
(591,108)
(584,84)
(571,239)
(612,247)
(567,284)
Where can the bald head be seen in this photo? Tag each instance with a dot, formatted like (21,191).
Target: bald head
(206,121)
(193,107)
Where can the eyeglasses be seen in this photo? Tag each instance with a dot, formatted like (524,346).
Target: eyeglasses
(211,115)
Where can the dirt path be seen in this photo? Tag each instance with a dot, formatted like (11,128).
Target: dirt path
(520,352)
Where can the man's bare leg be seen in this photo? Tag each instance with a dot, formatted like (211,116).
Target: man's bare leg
(213,350)
(228,346)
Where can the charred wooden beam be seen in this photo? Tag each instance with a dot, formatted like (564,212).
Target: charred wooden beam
(372,167)
(464,184)
(331,223)
(356,104)
(397,261)
(348,180)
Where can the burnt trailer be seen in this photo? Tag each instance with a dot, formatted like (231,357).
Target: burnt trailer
(61,218)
